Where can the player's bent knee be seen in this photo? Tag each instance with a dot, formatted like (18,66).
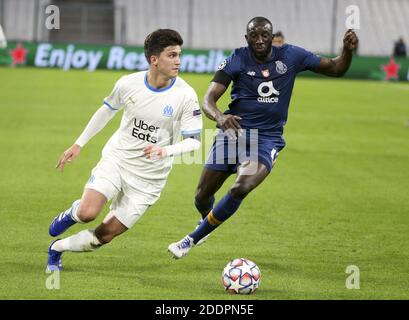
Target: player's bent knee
(200,194)
(241,189)
(200,197)
(87,213)
(202,200)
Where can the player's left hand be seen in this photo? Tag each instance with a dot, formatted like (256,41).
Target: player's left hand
(350,40)
(69,155)
(154,152)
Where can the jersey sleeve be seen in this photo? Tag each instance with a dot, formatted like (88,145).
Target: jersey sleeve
(191,120)
(306,60)
(231,66)
(114,101)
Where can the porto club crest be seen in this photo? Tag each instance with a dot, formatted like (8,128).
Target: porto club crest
(281,68)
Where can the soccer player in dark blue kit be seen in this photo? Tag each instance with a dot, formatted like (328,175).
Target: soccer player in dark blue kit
(263,78)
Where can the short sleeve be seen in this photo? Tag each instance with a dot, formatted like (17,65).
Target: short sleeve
(306,59)
(114,101)
(231,66)
(191,120)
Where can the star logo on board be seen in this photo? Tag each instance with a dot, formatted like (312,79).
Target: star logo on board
(18,54)
(391,69)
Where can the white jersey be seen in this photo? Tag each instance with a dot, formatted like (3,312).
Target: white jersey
(151,116)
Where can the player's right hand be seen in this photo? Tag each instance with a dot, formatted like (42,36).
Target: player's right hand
(230,125)
(69,155)
(350,40)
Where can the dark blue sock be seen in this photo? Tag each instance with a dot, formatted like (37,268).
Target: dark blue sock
(223,210)
(204,207)
(226,207)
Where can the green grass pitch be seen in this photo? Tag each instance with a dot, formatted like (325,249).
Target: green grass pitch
(338,196)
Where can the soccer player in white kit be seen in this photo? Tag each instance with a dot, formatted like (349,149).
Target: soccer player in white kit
(135,163)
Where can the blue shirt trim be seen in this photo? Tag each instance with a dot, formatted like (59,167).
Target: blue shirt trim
(109,106)
(191,132)
(158,90)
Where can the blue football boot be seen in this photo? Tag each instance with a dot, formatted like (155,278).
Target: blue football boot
(54,262)
(63,221)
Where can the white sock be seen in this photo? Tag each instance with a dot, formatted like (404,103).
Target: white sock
(84,240)
(74,211)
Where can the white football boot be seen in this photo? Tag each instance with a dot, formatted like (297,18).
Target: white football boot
(181,248)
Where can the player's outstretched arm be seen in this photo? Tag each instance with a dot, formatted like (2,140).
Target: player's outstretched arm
(228,123)
(337,67)
(98,121)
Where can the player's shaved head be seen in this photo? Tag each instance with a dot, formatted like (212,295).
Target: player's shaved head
(259,37)
(259,20)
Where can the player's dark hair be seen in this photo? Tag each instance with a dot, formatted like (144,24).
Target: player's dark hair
(260,20)
(158,40)
(279,34)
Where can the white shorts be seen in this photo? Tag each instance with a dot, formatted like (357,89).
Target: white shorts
(131,196)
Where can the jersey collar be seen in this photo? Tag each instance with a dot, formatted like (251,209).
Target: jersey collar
(158,90)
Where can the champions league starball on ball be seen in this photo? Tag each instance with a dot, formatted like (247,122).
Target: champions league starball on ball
(241,276)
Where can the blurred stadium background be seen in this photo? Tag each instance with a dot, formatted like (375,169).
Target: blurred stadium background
(317,25)
(210,30)
(337,197)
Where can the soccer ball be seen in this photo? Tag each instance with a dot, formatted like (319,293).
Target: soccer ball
(241,276)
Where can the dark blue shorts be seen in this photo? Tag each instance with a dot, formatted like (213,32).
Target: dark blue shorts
(226,155)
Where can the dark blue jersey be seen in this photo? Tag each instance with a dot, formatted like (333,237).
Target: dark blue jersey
(261,93)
